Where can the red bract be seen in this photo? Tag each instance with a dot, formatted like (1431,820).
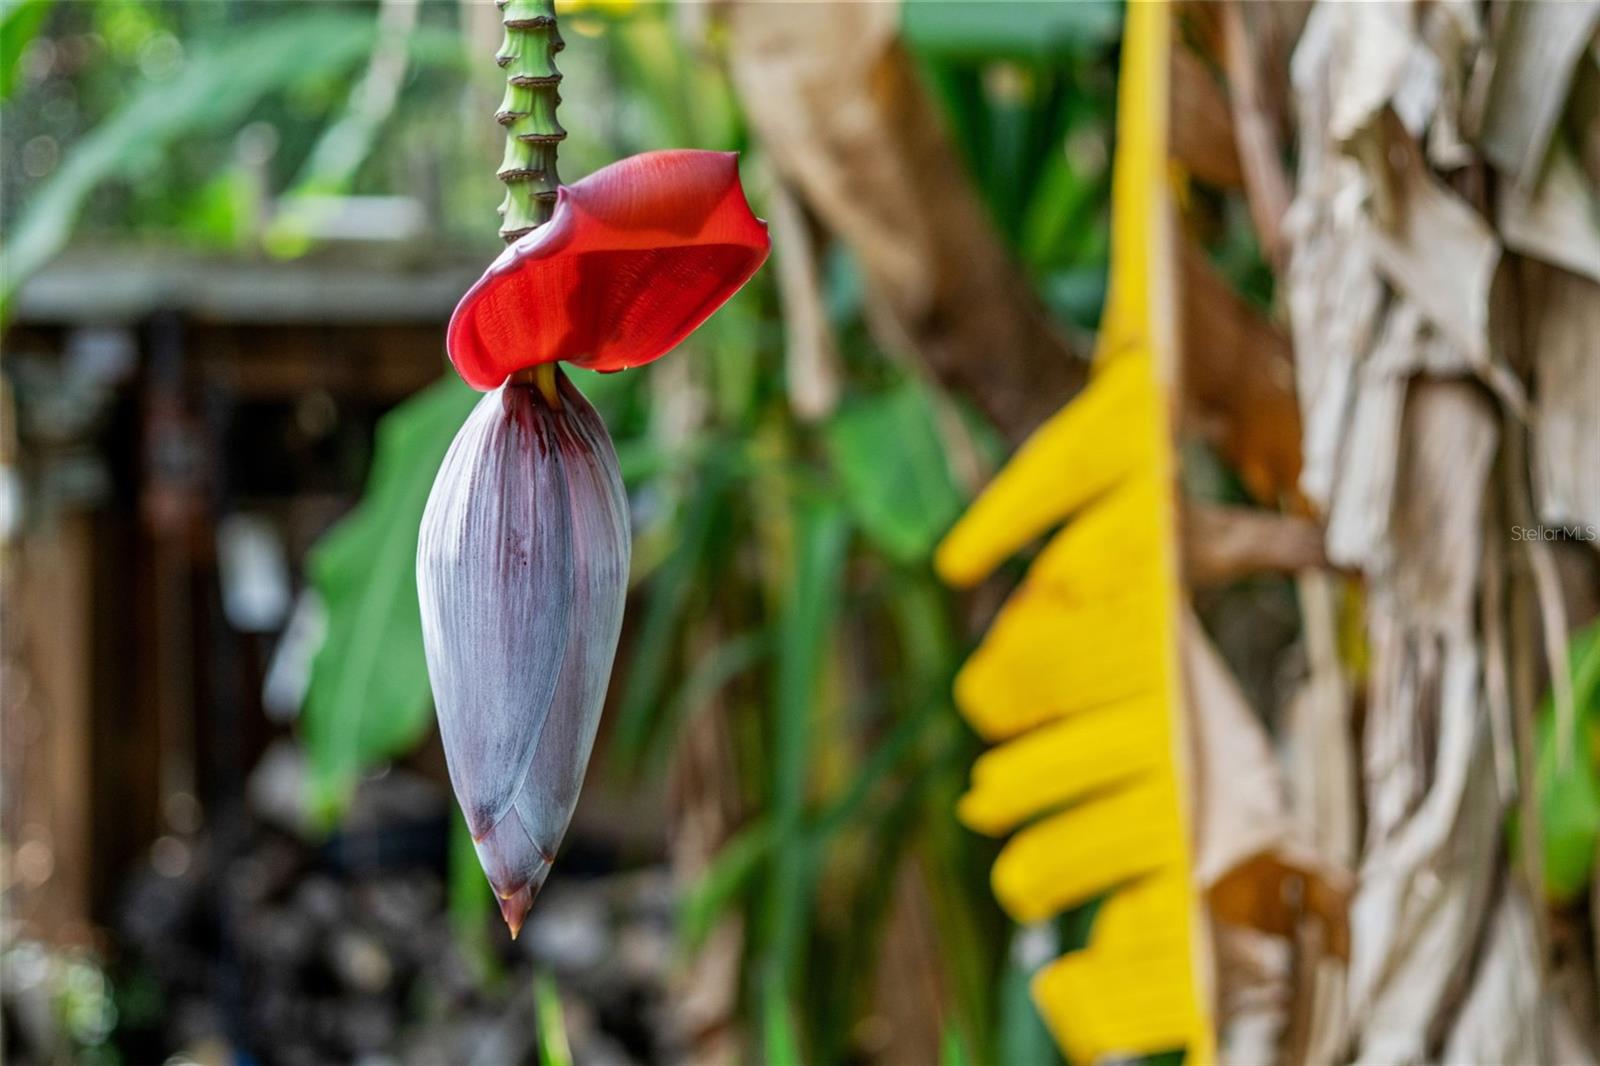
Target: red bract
(636,256)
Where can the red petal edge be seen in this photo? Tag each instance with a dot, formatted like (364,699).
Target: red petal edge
(637,255)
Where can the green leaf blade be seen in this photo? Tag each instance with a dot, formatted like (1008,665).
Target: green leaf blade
(368,694)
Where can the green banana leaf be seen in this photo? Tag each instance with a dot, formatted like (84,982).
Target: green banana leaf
(368,695)
(891,465)
(1567,776)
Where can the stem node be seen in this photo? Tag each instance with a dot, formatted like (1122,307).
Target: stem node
(528,113)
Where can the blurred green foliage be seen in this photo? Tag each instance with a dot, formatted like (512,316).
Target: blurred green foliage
(1567,774)
(368,696)
(214,90)
(1028,90)
(553,1047)
(20,21)
(889,460)
(181,119)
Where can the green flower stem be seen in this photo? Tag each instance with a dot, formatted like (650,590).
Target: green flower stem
(528,112)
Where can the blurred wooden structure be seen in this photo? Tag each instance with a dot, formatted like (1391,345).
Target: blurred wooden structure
(151,396)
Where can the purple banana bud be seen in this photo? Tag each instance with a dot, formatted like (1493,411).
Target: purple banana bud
(522,569)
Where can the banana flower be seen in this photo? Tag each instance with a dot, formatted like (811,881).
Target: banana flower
(522,562)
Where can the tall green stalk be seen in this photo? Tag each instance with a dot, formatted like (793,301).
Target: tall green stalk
(528,112)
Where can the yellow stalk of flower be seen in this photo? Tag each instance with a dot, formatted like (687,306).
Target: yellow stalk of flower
(1077,682)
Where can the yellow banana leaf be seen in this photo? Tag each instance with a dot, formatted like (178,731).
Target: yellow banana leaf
(1077,681)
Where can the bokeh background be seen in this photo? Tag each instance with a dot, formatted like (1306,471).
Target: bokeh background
(234,231)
